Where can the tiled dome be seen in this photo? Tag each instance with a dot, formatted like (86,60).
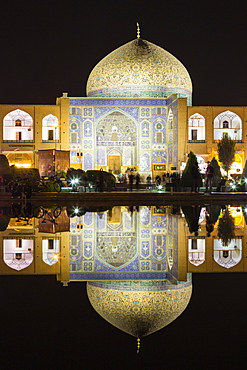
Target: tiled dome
(139,308)
(139,69)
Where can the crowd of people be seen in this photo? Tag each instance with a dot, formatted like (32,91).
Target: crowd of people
(133,178)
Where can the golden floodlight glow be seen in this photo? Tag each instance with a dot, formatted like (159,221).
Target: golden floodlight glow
(23,165)
(55,257)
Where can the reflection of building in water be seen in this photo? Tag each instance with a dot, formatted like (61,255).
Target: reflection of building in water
(129,254)
(30,250)
(139,307)
(121,245)
(132,245)
(208,254)
(137,260)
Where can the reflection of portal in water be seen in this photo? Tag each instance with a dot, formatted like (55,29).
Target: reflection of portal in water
(123,244)
(229,256)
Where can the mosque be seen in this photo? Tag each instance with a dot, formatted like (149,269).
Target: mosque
(137,265)
(138,114)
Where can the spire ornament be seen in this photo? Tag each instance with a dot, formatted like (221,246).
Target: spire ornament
(138,30)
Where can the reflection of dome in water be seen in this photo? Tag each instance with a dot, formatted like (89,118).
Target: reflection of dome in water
(139,307)
(139,69)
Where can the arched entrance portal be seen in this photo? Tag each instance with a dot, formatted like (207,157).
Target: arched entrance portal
(116,138)
(114,163)
(20,159)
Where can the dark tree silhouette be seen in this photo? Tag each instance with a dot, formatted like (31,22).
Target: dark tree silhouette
(226,228)
(217,173)
(186,176)
(226,151)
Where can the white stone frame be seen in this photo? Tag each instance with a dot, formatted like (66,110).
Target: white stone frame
(234,130)
(196,122)
(50,123)
(196,256)
(10,251)
(18,132)
(170,120)
(234,250)
(50,256)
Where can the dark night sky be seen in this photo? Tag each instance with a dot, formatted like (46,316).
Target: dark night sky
(48,47)
(52,46)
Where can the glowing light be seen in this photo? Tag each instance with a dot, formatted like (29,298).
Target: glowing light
(25,165)
(74,181)
(233,186)
(55,256)
(245,180)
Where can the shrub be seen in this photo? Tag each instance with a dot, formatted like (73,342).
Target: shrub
(186,176)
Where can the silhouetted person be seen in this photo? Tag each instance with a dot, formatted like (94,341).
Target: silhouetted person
(138,177)
(148,181)
(209,177)
(221,185)
(100,183)
(131,180)
(195,173)
(158,180)
(131,209)
(209,222)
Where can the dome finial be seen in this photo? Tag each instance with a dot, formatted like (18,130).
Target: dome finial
(138,345)
(138,30)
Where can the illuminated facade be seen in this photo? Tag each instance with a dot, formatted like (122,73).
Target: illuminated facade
(144,244)
(32,247)
(138,114)
(26,129)
(137,95)
(137,262)
(209,254)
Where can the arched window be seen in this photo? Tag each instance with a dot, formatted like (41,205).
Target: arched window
(18,253)
(159,137)
(50,128)
(73,138)
(145,162)
(196,251)
(196,127)
(88,162)
(229,256)
(50,251)
(20,159)
(170,257)
(116,126)
(18,126)
(228,124)
(170,120)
